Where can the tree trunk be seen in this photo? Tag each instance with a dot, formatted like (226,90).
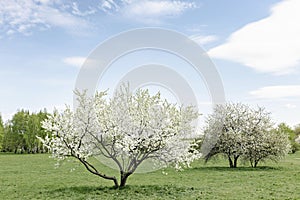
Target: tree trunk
(124,176)
(235,161)
(230,162)
(255,164)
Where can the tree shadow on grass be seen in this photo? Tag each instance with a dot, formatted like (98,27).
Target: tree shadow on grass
(242,168)
(81,189)
(136,191)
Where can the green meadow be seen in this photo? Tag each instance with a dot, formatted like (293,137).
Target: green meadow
(34,176)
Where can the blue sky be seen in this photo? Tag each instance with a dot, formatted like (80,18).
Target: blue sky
(254,44)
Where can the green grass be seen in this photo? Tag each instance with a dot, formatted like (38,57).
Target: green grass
(35,177)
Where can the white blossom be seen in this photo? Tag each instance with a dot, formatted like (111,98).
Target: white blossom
(127,128)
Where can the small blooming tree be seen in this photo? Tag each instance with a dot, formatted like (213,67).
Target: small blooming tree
(127,129)
(224,130)
(237,130)
(272,145)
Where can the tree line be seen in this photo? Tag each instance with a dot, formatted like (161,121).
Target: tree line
(19,134)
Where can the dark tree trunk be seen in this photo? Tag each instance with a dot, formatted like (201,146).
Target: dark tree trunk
(255,164)
(230,162)
(124,176)
(235,161)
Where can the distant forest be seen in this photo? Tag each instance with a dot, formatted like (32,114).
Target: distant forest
(18,135)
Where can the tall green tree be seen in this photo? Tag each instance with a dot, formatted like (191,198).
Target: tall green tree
(291,135)
(19,125)
(8,140)
(31,132)
(34,129)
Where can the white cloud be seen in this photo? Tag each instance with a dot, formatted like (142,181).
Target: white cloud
(276,92)
(147,11)
(77,11)
(23,16)
(19,16)
(109,6)
(75,61)
(204,39)
(157,8)
(269,45)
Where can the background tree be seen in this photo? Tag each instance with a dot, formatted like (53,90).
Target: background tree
(19,125)
(127,129)
(9,140)
(237,130)
(292,136)
(297,132)
(272,144)
(30,134)
(223,133)
(258,141)
(34,129)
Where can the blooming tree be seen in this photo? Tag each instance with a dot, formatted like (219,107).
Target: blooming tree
(223,132)
(272,145)
(128,129)
(237,130)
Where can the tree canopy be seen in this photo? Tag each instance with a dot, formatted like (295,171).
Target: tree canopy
(128,129)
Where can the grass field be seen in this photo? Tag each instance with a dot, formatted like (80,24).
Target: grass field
(35,177)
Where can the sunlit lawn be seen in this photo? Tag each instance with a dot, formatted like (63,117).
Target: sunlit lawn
(35,177)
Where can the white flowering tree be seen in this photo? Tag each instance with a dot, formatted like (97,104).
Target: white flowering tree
(223,132)
(128,129)
(237,130)
(272,145)
(262,141)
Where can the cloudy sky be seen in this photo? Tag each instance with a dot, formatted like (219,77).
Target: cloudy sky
(254,44)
